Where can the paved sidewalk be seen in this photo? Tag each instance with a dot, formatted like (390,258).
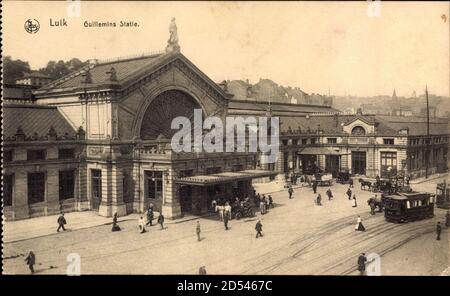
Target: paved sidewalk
(430,178)
(46,225)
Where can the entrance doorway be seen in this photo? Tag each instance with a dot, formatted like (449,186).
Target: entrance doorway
(154,188)
(186,199)
(96,181)
(332,164)
(359,162)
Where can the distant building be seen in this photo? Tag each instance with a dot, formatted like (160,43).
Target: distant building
(402,111)
(34,79)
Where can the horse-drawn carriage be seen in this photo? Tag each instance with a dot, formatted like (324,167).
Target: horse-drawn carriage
(344,177)
(243,210)
(322,179)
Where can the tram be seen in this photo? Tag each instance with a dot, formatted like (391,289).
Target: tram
(403,207)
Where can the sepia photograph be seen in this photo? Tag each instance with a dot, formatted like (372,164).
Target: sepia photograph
(225,138)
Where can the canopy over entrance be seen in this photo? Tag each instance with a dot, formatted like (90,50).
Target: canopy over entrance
(319,151)
(220,178)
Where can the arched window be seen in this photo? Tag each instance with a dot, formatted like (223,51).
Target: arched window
(358,131)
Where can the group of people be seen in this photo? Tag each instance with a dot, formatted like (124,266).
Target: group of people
(150,216)
(264,202)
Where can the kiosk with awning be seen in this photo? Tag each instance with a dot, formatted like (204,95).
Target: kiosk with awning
(221,178)
(197,192)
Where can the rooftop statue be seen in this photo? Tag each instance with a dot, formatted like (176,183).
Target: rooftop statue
(172,43)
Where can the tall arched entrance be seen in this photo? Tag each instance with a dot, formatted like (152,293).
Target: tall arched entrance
(156,124)
(162,110)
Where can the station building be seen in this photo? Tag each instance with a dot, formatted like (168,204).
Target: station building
(99,139)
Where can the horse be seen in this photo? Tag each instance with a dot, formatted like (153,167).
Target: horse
(221,210)
(377,202)
(227,210)
(365,184)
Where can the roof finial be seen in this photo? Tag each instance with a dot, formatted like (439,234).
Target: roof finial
(172,43)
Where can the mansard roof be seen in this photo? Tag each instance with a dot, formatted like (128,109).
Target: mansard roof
(97,76)
(34,121)
(385,125)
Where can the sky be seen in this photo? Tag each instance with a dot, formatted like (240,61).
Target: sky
(317,46)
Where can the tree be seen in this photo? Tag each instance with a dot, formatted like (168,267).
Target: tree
(14,69)
(59,69)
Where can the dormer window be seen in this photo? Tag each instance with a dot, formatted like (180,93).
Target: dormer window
(358,131)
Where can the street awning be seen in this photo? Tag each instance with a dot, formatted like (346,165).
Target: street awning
(319,151)
(221,178)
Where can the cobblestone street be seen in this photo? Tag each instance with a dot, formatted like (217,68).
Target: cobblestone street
(299,238)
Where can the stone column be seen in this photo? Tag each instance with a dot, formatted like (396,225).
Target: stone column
(171,206)
(20,198)
(106,200)
(52,194)
(117,204)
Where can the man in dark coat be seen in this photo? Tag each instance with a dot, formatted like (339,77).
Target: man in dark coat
(372,207)
(202,270)
(150,216)
(319,199)
(31,260)
(198,231)
(349,193)
(350,182)
(362,259)
(447,219)
(61,222)
(161,220)
(438,231)
(115,226)
(290,190)
(314,186)
(270,201)
(329,194)
(258,229)
(225,221)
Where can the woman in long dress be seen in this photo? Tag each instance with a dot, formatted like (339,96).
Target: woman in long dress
(354,201)
(141,225)
(359,226)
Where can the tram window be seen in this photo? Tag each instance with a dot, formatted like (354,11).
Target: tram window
(408,204)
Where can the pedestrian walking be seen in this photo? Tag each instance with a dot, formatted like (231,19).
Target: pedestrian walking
(372,207)
(61,222)
(350,182)
(314,186)
(349,193)
(213,205)
(31,260)
(198,231)
(225,221)
(161,220)
(329,194)
(438,231)
(290,191)
(447,219)
(262,205)
(354,201)
(362,259)
(202,270)
(258,229)
(271,202)
(115,226)
(359,226)
(319,200)
(150,217)
(141,225)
